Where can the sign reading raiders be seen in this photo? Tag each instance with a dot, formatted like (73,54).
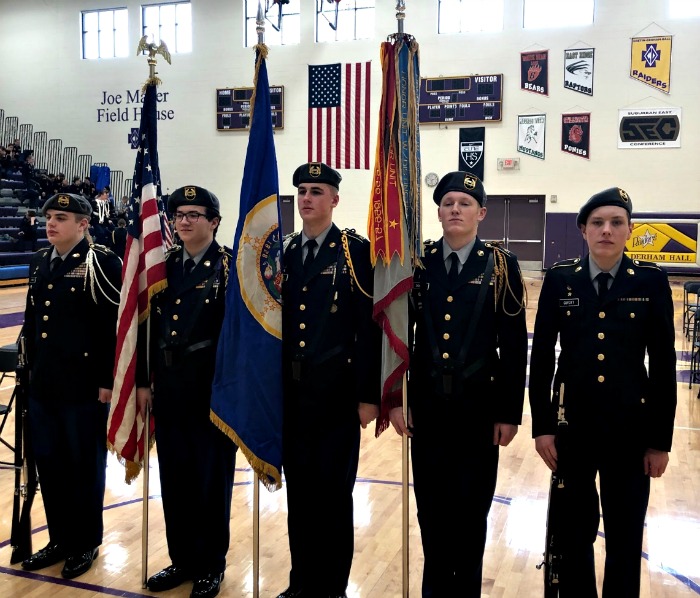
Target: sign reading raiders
(649,128)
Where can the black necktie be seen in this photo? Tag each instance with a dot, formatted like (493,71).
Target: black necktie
(603,279)
(309,259)
(454,269)
(189,265)
(54,263)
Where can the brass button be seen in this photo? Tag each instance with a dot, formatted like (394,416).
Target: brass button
(601,335)
(643,400)
(445,355)
(72,289)
(446,336)
(302,344)
(601,357)
(568,313)
(85,354)
(632,315)
(46,318)
(49,286)
(178,301)
(450,298)
(304,288)
(302,326)
(44,335)
(206,301)
(601,315)
(302,307)
(448,317)
(492,378)
(601,378)
(175,316)
(47,303)
(173,333)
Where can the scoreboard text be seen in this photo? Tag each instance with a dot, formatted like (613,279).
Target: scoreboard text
(233,108)
(474,98)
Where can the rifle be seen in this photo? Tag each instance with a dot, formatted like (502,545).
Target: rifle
(555,515)
(25,465)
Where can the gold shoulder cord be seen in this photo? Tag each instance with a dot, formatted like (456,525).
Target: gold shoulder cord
(225,263)
(502,284)
(346,250)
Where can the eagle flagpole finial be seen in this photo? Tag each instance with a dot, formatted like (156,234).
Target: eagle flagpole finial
(152,50)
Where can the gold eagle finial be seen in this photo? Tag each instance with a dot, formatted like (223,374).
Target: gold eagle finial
(152,49)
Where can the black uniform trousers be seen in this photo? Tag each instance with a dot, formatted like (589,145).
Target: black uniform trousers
(197,463)
(70,445)
(624,496)
(453,504)
(321,457)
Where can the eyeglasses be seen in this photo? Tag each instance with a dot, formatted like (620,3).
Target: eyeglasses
(189,216)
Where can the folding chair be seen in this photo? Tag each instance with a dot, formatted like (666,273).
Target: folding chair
(695,352)
(691,305)
(8,365)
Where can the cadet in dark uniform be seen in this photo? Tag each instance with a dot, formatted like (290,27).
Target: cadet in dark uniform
(331,361)
(70,327)
(620,413)
(466,385)
(196,460)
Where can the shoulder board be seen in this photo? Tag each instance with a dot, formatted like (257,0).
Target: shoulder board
(643,264)
(100,248)
(42,252)
(287,239)
(498,247)
(352,234)
(428,243)
(570,262)
(173,249)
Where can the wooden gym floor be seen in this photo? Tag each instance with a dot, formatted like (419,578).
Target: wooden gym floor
(670,565)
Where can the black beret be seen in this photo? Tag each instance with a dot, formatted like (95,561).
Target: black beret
(466,182)
(610,197)
(67,202)
(191,195)
(316,172)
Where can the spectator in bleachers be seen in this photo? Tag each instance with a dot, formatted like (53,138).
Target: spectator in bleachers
(101,225)
(28,231)
(118,238)
(76,186)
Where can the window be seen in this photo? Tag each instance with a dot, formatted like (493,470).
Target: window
(683,9)
(171,23)
(470,16)
(283,31)
(351,19)
(105,33)
(541,14)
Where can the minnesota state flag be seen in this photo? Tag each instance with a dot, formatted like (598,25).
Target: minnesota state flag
(246,401)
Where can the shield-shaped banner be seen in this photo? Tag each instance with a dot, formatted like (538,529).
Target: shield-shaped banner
(471,150)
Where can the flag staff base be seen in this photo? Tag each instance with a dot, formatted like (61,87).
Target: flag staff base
(405,494)
(144,512)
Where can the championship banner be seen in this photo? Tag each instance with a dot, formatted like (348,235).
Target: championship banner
(531,132)
(471,150)
(578,70)
(651,61)
(649,128)
(664,242)
(534,72)
(576,134)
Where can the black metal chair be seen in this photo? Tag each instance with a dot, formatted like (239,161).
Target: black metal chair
(691,305)
(695,352)
(8,366)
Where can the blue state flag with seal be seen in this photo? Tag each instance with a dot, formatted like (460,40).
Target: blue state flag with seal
(246,402)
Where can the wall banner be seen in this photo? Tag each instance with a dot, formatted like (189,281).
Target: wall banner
(653,128)
(531,133)
(578,70)
(472,149)
(534,72)
(651,61)
(576,134)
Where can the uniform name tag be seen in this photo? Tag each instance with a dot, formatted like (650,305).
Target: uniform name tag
(328,270)
(568,302)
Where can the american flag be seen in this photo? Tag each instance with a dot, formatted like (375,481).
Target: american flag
(339,106)
(143,275)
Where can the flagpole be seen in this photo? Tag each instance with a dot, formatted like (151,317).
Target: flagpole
(260,29)
(144,510)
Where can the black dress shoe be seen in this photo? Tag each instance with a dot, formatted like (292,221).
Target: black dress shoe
(291,593)
(168,578)
(47,556)
(78,564)
(207,587)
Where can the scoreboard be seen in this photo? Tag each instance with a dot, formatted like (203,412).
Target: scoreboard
(475,98)
(233,108)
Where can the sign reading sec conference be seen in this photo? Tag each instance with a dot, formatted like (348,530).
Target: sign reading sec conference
(654,128)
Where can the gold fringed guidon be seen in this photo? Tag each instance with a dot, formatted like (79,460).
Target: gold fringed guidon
(267,474)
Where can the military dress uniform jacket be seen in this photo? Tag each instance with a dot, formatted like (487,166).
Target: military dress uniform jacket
(607,388)
(70,323)
(185,325)
(496,358)
(331,345)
